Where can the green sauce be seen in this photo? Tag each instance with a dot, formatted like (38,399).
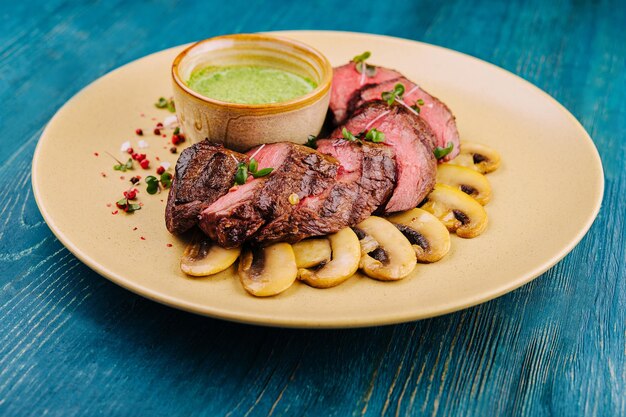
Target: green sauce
(249,84)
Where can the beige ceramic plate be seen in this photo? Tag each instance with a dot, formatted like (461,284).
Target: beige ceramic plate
(546,193)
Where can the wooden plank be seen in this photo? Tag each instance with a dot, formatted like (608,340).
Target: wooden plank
(72,343)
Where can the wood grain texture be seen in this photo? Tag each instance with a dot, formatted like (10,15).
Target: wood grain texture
(72,343)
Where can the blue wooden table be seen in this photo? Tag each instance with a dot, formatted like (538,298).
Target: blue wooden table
(72,343)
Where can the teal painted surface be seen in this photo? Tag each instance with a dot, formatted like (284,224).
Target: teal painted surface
(72,343)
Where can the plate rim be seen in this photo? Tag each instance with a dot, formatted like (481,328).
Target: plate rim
(274,321)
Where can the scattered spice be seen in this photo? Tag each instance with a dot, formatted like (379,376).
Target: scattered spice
(142,238)
(159,125)
(134,228)
(173,149)
(139,132)
(103,175)
(157,131)
(115,212)
(96,154)
(169,245)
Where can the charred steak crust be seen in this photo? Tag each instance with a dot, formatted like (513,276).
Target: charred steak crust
(365,181)
(204,173)
(240,217)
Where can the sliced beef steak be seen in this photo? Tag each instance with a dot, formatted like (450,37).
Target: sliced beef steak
(365,181)
(238,216)
(410,137)
(347,81)
(204,173)
(433,111)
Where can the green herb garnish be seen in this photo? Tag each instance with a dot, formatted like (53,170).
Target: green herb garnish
(372,135)
(164,103)
(347,135)
(441,152)
(375,135)
(311,142)
(359,60)
(393,95)
(153,184)
(166,179)
(124,166)
(250,168)
(127,206)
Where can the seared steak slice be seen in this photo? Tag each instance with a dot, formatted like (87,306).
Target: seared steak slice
(347,81)
(204,173)
(409,136)
(433,111)
(239,215)
(365,181)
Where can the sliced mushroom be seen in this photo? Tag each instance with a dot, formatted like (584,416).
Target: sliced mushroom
(202,257)
(465,179)
(429,237)
(459,212)
(392,257)
(346,254)
(268,271)
(311,252)
(478,157)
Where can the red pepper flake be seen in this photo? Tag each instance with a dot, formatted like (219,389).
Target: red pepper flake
(157,158)
(161,200)
(159,124)
(142,238)
(169,245)
(109,204)
(157,131)
(164,135)
(141,204)
(173,149)
(134,228)
(103,175)
(122,177)
(96,154)
(142,115)
(115,212)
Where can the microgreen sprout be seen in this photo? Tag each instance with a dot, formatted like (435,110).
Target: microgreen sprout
(250,168)
(360,64)
(372,135)
(393,95)
(154,184)
(311,142)
(163,103)
(441,152)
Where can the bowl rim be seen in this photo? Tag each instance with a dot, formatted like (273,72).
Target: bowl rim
(311,97)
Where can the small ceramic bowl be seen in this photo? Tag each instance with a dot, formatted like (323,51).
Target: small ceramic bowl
(243,126)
